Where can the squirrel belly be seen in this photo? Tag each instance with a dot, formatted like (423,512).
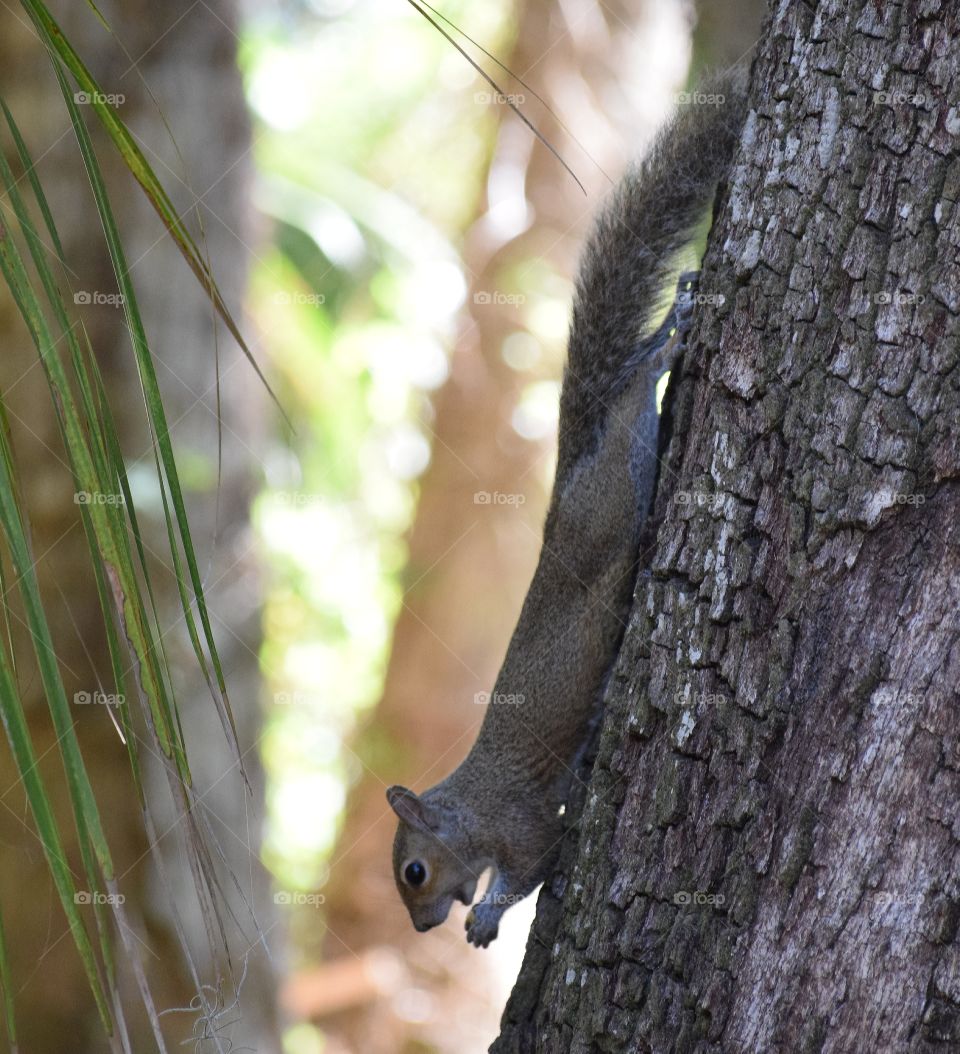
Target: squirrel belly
(501,808)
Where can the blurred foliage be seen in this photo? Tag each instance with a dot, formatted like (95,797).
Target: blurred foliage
(372,141)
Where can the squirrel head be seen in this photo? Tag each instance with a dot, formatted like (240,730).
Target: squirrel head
(431,864)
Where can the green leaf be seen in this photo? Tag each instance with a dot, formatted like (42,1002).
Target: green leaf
(6,983)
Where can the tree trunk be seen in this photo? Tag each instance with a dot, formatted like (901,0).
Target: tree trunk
(768,855)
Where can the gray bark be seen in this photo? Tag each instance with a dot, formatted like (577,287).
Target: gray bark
(767,858)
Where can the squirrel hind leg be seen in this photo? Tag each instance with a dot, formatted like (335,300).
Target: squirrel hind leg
(658,352)
(665,344)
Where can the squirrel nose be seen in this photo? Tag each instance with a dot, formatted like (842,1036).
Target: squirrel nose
(422,927)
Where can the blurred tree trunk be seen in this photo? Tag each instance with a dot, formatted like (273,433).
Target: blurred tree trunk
(470,563)
(187,56)
(769,857)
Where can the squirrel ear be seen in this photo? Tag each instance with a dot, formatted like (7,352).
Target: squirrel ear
(408,807)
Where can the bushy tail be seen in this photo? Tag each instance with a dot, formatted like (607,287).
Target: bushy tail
(630,261)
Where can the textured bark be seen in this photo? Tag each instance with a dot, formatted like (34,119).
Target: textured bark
(767,859)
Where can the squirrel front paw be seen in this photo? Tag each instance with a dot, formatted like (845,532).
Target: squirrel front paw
(482,926)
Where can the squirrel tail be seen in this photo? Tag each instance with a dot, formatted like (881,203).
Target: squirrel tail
(630,261)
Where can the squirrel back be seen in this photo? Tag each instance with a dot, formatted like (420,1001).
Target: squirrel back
(501,808)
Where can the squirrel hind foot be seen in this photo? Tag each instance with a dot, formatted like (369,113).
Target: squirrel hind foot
(660,349)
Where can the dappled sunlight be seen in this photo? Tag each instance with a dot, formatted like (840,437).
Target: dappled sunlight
(381,300)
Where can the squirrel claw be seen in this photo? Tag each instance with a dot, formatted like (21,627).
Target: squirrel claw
(481,930)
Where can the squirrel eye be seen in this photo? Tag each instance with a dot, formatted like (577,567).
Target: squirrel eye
(415,873)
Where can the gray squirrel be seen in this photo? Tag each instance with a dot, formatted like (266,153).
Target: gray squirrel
(502,808)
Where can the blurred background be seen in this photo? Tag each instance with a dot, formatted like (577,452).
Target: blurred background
(403,249)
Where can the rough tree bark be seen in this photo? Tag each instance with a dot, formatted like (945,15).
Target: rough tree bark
(767,859)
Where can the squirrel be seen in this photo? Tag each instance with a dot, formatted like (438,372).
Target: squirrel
(502,808)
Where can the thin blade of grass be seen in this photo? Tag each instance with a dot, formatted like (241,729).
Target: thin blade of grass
(496,87)
(91,842)
(86,459)
(139,167)
(159,427)
(11,265)
(6,983)
(109,462)
(18,737)
(100,526)
(11,472)
(515,76)
(118,467)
